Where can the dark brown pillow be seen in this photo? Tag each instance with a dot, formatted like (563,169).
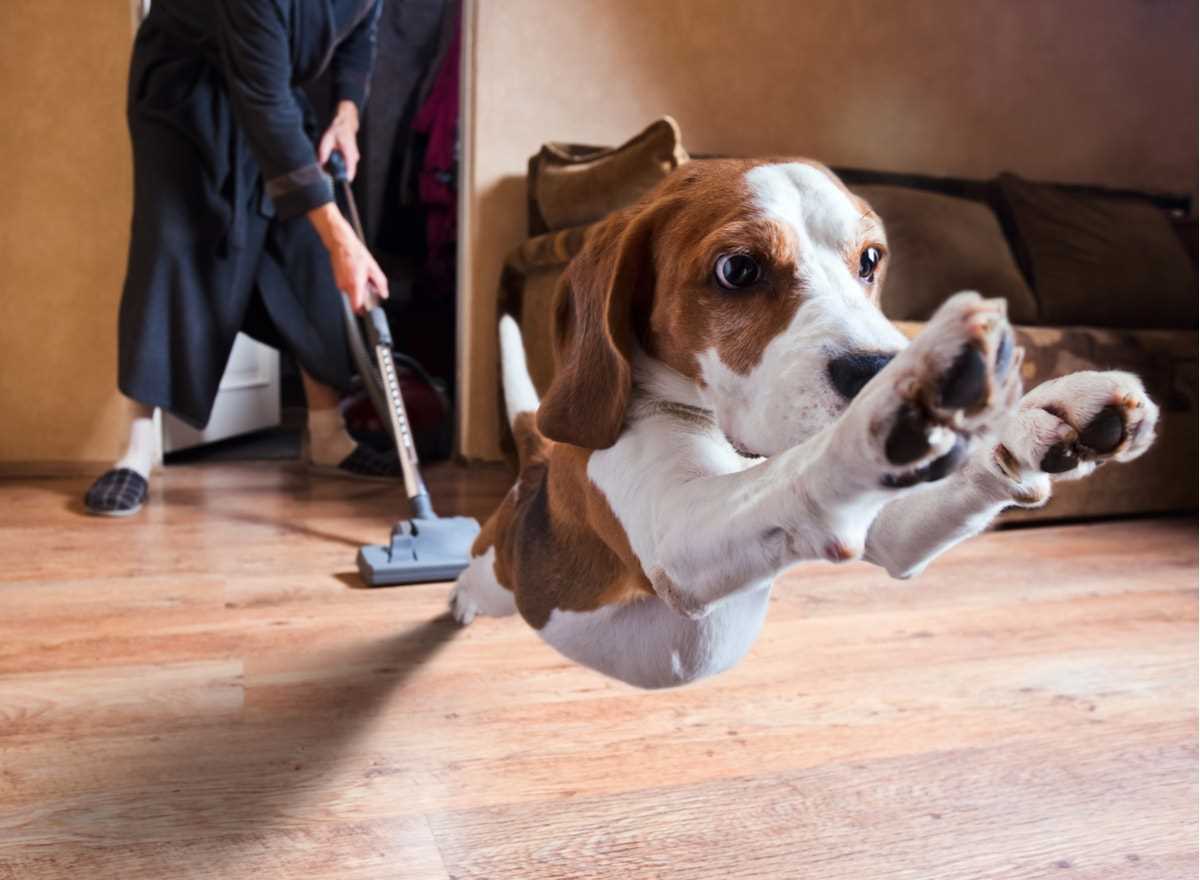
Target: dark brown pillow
(1098,261)
(572,189)
(939,245)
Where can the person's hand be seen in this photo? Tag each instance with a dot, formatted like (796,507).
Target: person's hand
(341,135)
(354,269)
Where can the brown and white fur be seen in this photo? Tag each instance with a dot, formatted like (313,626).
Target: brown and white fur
(697,440)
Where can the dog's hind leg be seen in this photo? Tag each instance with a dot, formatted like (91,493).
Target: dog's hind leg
(478,592)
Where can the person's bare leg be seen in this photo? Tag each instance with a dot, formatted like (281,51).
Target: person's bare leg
(329,444)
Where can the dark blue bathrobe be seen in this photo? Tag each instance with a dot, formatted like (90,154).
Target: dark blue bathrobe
(224,170)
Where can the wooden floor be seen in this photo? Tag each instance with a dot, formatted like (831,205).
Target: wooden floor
(206,692)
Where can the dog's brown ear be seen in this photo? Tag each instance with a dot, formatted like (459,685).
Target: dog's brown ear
(594,332)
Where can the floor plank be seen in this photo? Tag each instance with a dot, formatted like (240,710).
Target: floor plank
(207,691)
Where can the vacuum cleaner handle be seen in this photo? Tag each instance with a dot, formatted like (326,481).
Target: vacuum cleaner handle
(379,335)
(337,167)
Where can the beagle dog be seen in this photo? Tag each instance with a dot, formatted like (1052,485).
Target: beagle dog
(729,401)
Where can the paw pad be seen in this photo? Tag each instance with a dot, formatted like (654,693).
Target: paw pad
(907,441)
(965,384)
(1101,436)
(1105,432)
(1060,458)
(936,470)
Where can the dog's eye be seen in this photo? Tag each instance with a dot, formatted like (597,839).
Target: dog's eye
(868,262)
(737,271)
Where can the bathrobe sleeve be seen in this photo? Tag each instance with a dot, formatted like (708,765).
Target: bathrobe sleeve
(256,57)
(354,59)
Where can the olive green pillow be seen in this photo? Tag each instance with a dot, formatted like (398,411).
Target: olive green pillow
(1097,260)
(939,245)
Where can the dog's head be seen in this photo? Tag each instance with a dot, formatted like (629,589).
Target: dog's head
(757,281)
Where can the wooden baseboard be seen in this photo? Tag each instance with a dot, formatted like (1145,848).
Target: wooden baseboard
(9,469)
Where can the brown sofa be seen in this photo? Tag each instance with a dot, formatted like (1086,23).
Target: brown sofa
(1094,278)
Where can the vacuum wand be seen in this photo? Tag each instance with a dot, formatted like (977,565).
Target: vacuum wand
(428,547)
(380,336)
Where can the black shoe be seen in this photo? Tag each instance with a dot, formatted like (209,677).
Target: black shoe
(364,463)
(119,492)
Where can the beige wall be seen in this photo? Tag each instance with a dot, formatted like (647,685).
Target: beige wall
(1094,91)
(64,227)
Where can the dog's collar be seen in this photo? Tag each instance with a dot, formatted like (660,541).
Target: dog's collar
(693,415)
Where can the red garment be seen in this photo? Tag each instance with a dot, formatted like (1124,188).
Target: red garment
(437,182)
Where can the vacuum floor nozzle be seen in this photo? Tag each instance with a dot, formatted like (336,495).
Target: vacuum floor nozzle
(421,551)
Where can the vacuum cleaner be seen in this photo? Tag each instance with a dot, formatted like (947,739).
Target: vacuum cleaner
(425,548)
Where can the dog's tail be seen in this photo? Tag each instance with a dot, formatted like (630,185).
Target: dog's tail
(519,394)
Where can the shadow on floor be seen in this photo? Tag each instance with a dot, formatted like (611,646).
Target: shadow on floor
(212,508)
(281,443)
(288,760)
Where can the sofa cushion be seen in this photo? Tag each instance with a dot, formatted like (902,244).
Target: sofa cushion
(1097,260)
(570,188)
(939,245)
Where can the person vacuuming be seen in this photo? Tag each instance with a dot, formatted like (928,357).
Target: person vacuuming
(234,222)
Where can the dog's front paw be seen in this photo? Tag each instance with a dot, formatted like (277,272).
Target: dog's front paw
(950,385)
(1068,427)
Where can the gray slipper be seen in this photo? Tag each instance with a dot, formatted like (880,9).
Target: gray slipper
(118,492)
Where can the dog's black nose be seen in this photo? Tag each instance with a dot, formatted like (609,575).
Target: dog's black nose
(850,372)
